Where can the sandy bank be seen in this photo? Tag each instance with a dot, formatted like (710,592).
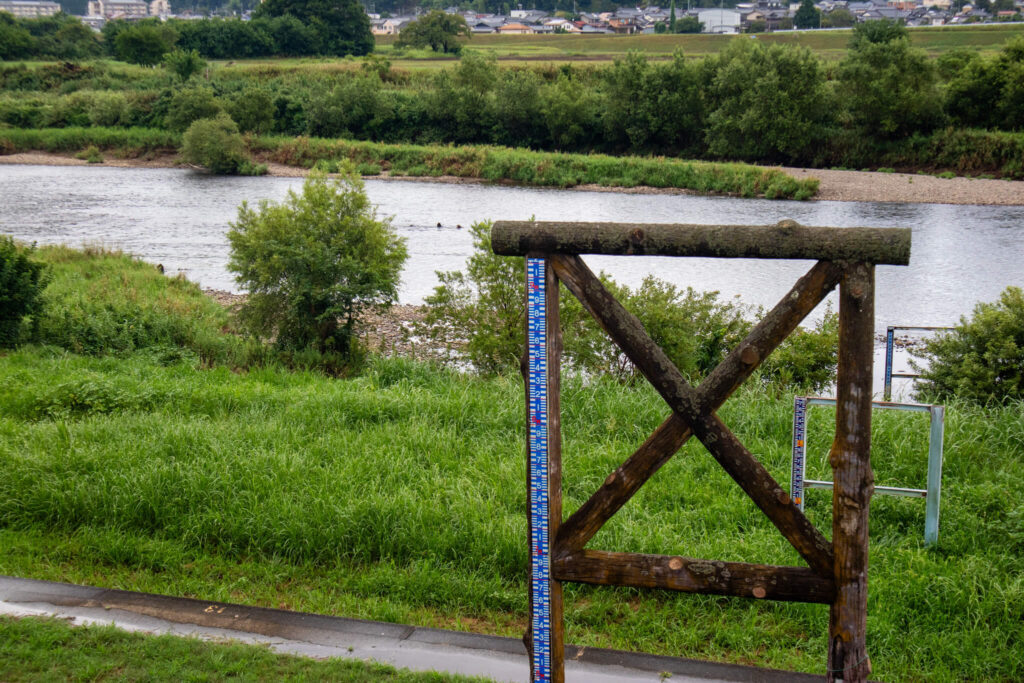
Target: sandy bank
(848,186)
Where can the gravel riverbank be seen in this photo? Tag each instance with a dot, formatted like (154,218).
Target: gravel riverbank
(848,186)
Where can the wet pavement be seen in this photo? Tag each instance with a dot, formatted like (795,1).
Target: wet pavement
(312,635)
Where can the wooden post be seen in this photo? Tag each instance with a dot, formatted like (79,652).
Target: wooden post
(850,458)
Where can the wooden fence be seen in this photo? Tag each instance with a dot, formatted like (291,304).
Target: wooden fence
(836,571)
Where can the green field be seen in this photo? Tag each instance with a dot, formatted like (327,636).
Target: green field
(986,38)
(398,495)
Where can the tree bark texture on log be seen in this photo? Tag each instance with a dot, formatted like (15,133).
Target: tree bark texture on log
(670,436)
(850,458)
(785,240)
(629,334)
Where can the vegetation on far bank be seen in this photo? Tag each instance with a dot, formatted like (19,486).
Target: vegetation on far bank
(886,104)
(155,460)
(33,649)
(494,164)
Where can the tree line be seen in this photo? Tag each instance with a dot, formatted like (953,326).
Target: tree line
(885,104)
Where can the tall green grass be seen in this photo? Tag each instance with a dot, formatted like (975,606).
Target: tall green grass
(106,302)
(542,168)
(409,481)
(126,142)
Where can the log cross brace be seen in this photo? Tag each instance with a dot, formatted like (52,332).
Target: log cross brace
(837,572)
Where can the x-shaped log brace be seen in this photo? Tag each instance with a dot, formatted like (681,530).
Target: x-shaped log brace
(693,414)
(837,572)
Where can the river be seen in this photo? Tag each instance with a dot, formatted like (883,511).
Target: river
(961,254)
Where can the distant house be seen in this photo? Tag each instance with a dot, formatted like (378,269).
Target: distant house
(516,28)
(119,9)
(27,9)
(720,20)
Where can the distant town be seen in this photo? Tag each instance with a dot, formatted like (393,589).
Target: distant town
(748,17)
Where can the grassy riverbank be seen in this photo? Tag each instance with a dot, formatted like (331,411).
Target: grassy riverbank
(493,164)
(397,495)
(49,649)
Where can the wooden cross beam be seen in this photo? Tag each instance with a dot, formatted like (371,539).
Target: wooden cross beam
(837,571)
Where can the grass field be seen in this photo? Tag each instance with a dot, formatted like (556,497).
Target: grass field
(397,495)
(986,38)
(48,650)
(603,49)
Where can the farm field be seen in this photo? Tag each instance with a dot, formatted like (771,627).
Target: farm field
(397,494)
(832,44)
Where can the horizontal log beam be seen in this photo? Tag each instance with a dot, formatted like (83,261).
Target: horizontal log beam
(739,579)
(786,240)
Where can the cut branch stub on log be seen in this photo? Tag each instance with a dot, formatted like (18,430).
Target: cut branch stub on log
(629,334)
(670,436)
(785,240)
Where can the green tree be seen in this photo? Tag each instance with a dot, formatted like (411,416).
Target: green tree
(689,25)
(889,88)
(314,262)
(342,25)
(15,41)
(439,30)
(877,32)
(807,16)
(769,103)
(22,281)
(214,144)
(982,358)
(184,63)
(144,44)
(672,17)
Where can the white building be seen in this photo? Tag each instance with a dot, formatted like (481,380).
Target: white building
(122,9)
(720,20)
(29,9)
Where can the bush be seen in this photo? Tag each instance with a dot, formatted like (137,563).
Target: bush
(313,263)
(478,316)
(214,144)
(190,105)
(807,359)
(22,282)
(981,359)
(184,63)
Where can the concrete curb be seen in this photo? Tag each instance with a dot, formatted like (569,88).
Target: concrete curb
(316,635)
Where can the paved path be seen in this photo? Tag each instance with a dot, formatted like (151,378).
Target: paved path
(311,635)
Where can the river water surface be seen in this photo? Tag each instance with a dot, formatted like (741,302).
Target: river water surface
(960,255)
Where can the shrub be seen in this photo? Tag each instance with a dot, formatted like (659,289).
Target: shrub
(981,359)
(313,263)
(91,154)
(22,280)
(807,359)
(253,110)
(190,105)
(214,144)
(478,316)
(184,63)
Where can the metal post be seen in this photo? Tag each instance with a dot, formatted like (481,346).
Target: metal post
(931,515)
(889,340)
(796,480)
